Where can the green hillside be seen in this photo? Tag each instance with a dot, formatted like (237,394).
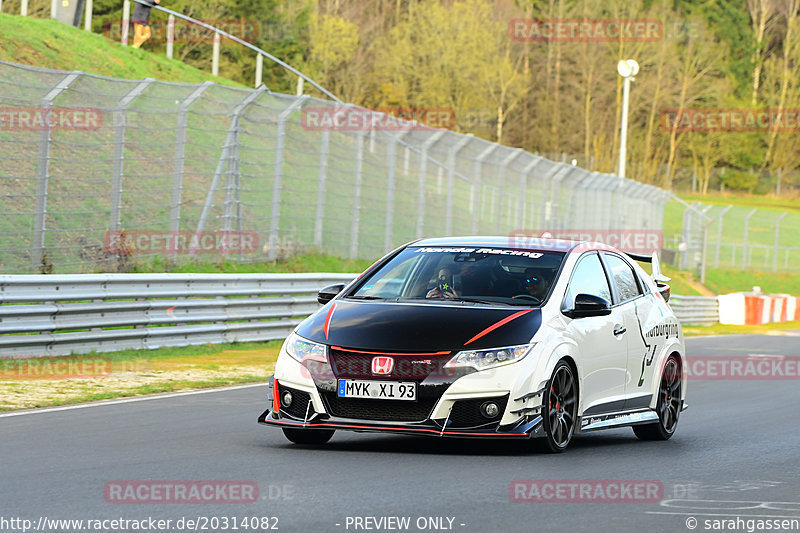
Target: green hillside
(51,44)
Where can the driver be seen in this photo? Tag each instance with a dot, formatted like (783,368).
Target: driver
(444,286)
(535,285)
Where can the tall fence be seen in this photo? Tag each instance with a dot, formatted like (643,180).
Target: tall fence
(735,237)
(83,157)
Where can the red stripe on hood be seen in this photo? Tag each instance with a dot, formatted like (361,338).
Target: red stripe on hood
(497,325)
(328,319)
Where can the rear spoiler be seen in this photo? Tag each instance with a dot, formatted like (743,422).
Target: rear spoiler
(657,275)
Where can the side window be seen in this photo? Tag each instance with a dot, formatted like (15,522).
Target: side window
(622,277)
(587,278)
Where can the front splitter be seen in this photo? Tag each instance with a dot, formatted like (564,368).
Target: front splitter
(523,430)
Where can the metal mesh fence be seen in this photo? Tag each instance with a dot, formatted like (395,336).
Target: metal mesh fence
(85,156)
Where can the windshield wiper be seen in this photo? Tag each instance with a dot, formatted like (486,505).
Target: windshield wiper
(477,301)
(364,297)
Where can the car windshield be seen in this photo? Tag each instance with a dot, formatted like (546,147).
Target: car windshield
(480,275)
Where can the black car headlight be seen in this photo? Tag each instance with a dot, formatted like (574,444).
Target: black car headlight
(489,358)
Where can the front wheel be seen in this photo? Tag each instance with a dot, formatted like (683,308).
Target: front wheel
(668,406)
(308,436)
(559,407)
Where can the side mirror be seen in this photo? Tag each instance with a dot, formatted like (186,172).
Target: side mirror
(587,305)
(664,289)
(326,294)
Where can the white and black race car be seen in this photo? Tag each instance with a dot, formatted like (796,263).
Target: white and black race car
(476,337)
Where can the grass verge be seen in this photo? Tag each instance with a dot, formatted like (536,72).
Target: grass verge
(49,381)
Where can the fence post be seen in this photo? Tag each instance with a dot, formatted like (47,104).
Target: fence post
(746,234)
(280,141)
(180,149)
(777,238)
(423,174)
(390,186)
(120,123)
(170,35)
(451,178)
(259,70)
(477,173)
(215,56)
(87,16)
(126,21)
(43,170)
(719,234)
(535,160)
(354,223)
(323,175)
(501,191)
(231,144)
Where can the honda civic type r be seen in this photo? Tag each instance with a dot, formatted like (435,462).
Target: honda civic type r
(476,337)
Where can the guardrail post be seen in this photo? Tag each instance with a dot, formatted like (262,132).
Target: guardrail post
(277,185)
(477,173)
(43,170)
(215,55)
(354,223)
(120,123)
(53,9)
(259,70)
(87,16)
(423,175)
(170,35)
(23,8)
(180,150)
(746,235)
(126,21)
(390,186)
(777,238)
(451,178)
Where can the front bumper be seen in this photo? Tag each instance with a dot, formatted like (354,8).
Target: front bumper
(522,430)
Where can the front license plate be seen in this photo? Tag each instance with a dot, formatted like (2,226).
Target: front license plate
(378,390)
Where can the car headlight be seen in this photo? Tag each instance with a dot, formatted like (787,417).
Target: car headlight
(301,349)
(483,359)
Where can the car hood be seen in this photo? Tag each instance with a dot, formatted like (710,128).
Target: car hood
(419,327)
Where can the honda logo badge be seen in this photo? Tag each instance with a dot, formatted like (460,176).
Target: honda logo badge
(382,365)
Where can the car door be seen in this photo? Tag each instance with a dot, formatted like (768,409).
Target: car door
(634,309)
(603,354)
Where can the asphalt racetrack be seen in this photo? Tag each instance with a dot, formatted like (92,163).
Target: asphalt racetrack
(736,455)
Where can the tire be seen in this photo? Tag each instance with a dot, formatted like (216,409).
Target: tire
(308,436)
(560,409)
(668,406)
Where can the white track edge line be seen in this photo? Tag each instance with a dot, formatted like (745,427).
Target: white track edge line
(129,400)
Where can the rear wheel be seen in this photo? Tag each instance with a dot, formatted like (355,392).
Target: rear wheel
(668,406)
(559,407)
(308,436)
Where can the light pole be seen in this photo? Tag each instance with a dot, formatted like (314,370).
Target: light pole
(627,68)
